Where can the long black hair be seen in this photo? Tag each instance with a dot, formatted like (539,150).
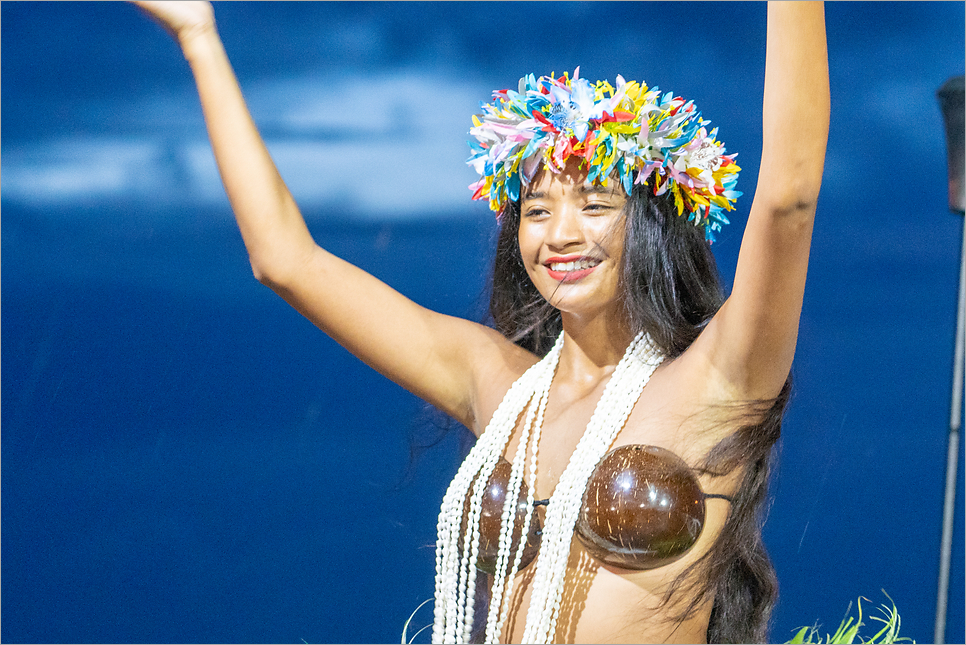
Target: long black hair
(671,289)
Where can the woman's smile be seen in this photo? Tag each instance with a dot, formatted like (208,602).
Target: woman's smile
(571,268)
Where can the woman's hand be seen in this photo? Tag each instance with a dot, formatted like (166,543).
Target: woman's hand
(181,19)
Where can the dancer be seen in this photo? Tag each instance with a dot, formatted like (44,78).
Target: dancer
(625,409)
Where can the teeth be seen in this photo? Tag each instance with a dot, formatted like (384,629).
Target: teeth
(579,265)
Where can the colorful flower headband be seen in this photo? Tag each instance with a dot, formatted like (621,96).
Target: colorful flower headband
(629,132)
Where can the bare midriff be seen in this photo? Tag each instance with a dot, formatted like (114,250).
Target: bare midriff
(605,605)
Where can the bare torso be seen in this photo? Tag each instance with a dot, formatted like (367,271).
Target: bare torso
(604,604)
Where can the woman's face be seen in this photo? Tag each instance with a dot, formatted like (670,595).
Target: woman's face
(572,239)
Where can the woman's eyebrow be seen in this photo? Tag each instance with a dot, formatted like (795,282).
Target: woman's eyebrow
(587,189)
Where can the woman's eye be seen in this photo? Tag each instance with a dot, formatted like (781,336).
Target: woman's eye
(534,212)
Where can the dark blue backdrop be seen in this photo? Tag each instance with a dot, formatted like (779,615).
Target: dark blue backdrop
(184,458)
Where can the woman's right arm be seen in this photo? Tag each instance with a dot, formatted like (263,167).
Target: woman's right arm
(439,358)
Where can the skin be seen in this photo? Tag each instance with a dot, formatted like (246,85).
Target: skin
(564,217)
(465,369)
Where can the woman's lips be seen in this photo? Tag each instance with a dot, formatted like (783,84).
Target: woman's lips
(571,268)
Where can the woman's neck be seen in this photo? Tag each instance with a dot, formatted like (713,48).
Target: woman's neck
(592,346)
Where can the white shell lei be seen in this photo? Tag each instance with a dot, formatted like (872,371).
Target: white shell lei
(455,562)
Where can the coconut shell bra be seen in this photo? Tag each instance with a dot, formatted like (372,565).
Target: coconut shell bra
(643,508)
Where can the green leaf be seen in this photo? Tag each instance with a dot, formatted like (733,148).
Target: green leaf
(848,630)
(849,636)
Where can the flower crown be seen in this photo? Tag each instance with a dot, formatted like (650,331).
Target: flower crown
(630,132)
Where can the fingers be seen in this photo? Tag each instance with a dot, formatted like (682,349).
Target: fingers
(178,18)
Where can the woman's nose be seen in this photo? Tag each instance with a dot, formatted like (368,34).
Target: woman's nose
(564,229)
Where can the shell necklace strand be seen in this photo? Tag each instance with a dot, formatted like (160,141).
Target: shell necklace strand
(456,554)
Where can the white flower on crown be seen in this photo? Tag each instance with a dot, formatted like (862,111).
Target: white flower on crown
(573,110)
(705,157)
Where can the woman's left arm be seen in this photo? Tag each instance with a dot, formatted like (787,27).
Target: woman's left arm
(751,342)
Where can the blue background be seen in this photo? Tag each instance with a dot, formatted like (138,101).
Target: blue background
(184,458)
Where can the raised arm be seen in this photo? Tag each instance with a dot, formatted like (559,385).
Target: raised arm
(437,357)
(751,342)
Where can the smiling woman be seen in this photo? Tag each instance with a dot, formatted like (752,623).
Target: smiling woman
(618,388)
(570,232)
(596,259)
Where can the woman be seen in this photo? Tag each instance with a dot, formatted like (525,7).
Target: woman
(614,360)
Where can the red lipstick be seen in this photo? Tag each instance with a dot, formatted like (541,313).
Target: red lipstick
(572,275)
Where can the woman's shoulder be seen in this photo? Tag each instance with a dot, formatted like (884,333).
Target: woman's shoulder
(715,368)
(684,407)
